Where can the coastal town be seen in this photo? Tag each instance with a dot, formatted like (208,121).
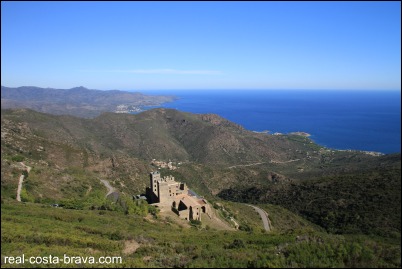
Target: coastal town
(127,109)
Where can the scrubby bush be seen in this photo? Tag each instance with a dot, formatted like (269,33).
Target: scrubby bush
(17,158)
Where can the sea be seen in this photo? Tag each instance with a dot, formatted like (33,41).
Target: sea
(348,120)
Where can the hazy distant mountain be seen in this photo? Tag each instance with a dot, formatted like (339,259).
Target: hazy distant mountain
(79,101)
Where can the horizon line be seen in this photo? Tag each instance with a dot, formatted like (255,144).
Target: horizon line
(217,89)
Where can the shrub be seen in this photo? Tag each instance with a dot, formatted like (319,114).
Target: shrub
(17,158)
(25,197)
(237,243)
(195,223)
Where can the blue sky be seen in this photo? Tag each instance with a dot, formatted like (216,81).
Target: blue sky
(201,45)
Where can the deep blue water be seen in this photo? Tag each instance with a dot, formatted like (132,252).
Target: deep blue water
(360,120)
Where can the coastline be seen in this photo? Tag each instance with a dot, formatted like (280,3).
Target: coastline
(358,120)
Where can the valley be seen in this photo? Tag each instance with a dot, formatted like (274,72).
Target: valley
(344,205)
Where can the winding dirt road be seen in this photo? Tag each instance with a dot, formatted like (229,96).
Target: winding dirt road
(108,186)
(244,165)
(264,216)
(28,169)
(20,188)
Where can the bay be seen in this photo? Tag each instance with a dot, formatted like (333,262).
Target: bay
(355,119)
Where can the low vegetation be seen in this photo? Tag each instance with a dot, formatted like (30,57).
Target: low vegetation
(368,203)
(327,208)
(38,230)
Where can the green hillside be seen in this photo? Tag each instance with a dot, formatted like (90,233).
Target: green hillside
(328,208)
(367,202)
(39,230)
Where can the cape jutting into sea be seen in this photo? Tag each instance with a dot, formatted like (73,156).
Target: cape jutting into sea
(357,120)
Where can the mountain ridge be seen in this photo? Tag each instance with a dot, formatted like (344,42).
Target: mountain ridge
(77,101)
(69,155)
(171,134)
(167,134)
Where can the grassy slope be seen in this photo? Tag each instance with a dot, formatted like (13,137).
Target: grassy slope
(38,230)
(77,153)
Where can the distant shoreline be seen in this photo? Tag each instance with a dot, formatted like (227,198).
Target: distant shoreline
(358,120)
(277,133)
(300,134)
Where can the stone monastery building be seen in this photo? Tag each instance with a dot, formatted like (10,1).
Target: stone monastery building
(166,192)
